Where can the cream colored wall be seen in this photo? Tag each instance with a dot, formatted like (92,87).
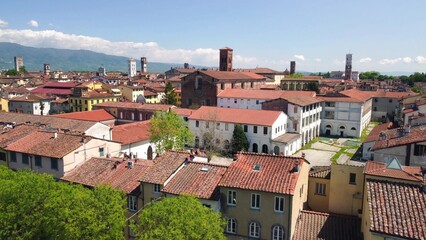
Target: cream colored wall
(300,197)
(129,213)
(4,104)
(318,202)
(342,193)
(266,216)
(148,193)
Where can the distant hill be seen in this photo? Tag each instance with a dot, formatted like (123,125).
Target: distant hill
(69,60)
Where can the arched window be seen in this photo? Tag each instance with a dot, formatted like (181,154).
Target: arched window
(353,128)
(342,127)
(277,150)
(231,226)
(328,126)
(254,230)
(264,148)
(255,148)
(278,232)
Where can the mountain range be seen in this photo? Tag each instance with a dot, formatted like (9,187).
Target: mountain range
(70,60)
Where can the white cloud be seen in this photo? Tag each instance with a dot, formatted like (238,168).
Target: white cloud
(365,60)
(387,61)
(32,23)
(56,39)
(420,59)
(318,60)
(407,59)
(338,62)
(299,57)
(3,24)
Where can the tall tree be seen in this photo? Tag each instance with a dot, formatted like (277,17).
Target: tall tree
(239,139)
(35,206)
(181,217)
(169,131)
(170,94)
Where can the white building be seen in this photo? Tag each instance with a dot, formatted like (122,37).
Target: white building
(262,128)
(30,104)
(346,113)
(132,67)
(303,108)
(135,139)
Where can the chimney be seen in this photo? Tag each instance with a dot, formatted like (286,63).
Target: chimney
(55,135)
(129,164)
(296,167)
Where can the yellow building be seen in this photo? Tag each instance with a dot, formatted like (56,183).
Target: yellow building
(319,188)
(178,97)
(394,202)
(132,93)
(4,105)
(85,95)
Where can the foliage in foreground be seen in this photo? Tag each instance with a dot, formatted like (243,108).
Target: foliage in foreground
(169,131)
(181,217)
(35,206)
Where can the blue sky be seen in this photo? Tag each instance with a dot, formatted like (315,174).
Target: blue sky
(383,35)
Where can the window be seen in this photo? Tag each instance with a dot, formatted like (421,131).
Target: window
(330,104)
(156,188)
(197,123)
(279,204)
(254,129)
(257,101)
(226,127)
(255,148)
(207,124)
(3,156)
(13,156)
(254,230)
(54,163)
(255,201)
(217,126)
(390,100)
(251,84)
(329,114)
(295,109)
(38,161)
(25,159)
(265,148)
(320,189)
(352,178)
(101,152)
(232,198)
(265,130)
(245,128)
(242,85)
(419,150)
(277,232)
(231,226)
(222,86)
(132,203)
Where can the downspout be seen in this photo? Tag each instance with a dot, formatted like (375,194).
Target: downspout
(408,155)
(290,218)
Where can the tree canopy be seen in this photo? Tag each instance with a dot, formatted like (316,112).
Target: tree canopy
(169,131)
(35,206)
(181,217)
(170,94)
(239,139)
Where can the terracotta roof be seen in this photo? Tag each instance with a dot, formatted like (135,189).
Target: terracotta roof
(396,209)
(416,134)
(95,94)
(320,172)
(257,70)
(235,115)
(182,111)
(164,166)
(380,169)
(94,115)
(52,91)
(54,84)
(357,94)
(338,97)
(10,135)
(374,134)
(112,171)
(46,145)
(53,122)
(276,173)
(20,90)
(317,225)
(382,93)
(134,105)
(30,98)
(226,76)
(197,179)
(131,132)
(263,94)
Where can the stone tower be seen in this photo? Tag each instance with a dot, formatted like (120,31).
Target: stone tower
(46,69)
(132,67)
(348,67)
(144,65)
(292,67)
(19,62)
(225,59)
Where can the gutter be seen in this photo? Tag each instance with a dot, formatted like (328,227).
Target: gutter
(290,218)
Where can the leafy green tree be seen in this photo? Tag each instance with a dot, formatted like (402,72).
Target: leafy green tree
(371,75)
(181,217)
(169,131)
(11,72)
(35,206)
(23,70)
(170,94)
(239,140)
(311,86)
(295,75)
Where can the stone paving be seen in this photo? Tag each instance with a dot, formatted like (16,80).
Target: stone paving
(322,152)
